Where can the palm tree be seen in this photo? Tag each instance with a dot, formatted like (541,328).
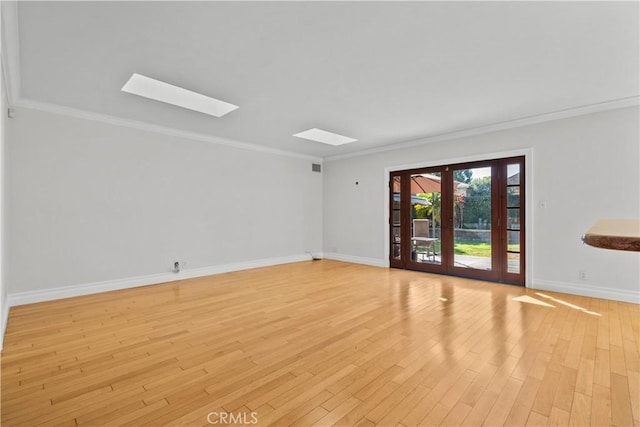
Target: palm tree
(434,210)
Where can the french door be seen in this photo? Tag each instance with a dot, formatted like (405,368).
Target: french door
(462,219)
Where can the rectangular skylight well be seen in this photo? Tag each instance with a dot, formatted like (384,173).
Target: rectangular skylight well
(325,137)
(170,94)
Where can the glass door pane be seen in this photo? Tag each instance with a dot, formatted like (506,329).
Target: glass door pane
(396,218)
(472,218)
(514,219)
(426,203)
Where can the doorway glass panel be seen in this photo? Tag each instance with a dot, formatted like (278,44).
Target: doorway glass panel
(426,198)
(472,213)
(514,216)
(396,218)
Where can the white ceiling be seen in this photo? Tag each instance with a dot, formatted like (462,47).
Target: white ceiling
(380,72)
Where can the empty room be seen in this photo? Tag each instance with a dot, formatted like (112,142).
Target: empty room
(320,213)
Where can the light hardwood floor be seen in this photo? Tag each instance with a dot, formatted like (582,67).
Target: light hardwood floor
(322,343)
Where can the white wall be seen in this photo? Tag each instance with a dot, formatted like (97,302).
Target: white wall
(93,202)
(90,202)
(585,168)
(4,309)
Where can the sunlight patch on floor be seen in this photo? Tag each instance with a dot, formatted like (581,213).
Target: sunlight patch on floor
(568,304)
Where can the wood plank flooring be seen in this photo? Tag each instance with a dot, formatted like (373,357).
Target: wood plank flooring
(322,343)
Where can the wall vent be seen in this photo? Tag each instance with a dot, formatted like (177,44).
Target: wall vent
(315,167)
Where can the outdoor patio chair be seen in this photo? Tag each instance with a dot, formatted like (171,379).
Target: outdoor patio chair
(423,244)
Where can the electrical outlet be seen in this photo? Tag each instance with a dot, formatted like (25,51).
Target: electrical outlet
(176,267)
(582,275)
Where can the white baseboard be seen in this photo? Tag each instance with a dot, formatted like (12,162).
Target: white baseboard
(4,320)
(30,297)
(586,290)
(538,284)
(354,259)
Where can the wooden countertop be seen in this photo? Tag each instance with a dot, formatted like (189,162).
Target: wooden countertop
(619,234)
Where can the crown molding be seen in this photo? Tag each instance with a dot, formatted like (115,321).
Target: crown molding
(138,125)
(10,53)
(633,101)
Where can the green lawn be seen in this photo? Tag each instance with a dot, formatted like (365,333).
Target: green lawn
(477,248)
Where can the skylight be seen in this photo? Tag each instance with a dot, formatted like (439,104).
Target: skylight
(325,137)
(174,95)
